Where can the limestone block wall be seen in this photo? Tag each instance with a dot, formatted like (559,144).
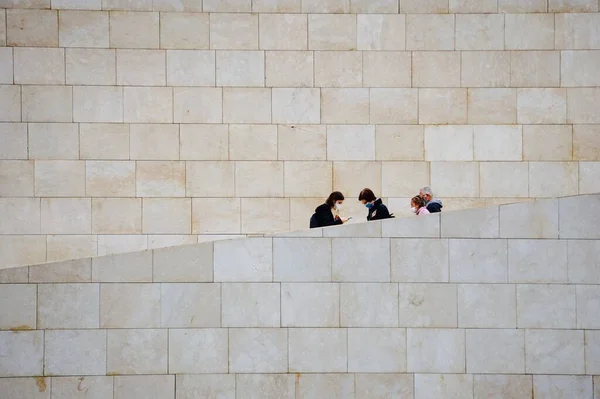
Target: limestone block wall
(131,125)
(499,302)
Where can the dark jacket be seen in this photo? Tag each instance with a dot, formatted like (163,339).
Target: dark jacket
(434,206)
(379,211)
(323,217)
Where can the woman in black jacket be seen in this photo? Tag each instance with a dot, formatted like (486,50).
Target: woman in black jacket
(377,210)
(323,215)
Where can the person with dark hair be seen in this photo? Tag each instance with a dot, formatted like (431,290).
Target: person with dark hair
(377,210)
(327,214)
(417,204)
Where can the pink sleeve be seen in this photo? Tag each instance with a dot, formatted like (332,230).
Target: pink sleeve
(423,211)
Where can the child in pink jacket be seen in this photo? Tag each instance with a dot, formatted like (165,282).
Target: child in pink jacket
(417,204)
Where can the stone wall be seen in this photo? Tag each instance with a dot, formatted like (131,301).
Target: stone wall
(135,124)
(500,302)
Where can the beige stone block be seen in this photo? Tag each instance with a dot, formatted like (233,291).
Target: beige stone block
(583,104)
(498,143)
(589,181)
(307,179)
(20,306)
(351,142)
(198,105)
(253,350)
(117,216)
(381,32)
(538,219)
(116,244)
(216,215)
(584,226)
(177,5)
(32,28)
(373,385)
(160,179)
(326,7)
(90,66)
(296,106)
(59,178)
(374,7)
(44,104)
(20,215)
(91,386)
(338,69)
(562,386)
(190,263)
(268,386)
(190,305)
(548,306)
(442,106)
(477,261)
(283,32)
(535,69)
(65,247)
(579,68)
(485,69)
(586,142)
(133,5)
(473,6)
(537,261)
(436,69)
(350,177)
(39,66)
(553,179)
(428,305)
(144,386)
(73,271)
(504,179)
(498,106)
(554,351)
(190,68)
(3,27)
(181,30)
(289,69)
(577,31)
(166,216)
(393,106)
(204,142)
(66,215)
(258,264)
(227,5)
(103,141)
(350,254)
(572,6)
(345,106)
(19,250)
(53,141)
(495,351)
(330,385)
(429,32)
(141,68)
(455,179)
(243,105)
(547,142)
(332,32)
(522,6)
(276,6)
(129,306)
(513,386)
(265,215)
(83,29)
(399,179)
(15,388)
(304,142)
(386,69)
(68,306)
(233,31)
(448,143)
(154,142)
(321,299)
(318,350)
(539,106)
(16,178)
(14,140)
(592,348)
(479,31)
(397,142)
(14,275)
(529,32)
(424,6)
(110,178)
(210,179)
(136,351)
(376,350)
(10,103)
(134,29)
(171,240)
(97,104)
(588,306)
(23,353)
(250,304)
(75,4)
(368,305)
(69,352)
(6,65)
(435,350)
(259,179)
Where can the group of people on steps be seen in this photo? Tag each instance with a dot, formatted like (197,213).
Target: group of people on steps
(328,214)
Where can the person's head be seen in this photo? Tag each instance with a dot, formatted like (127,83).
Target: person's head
(426,193)
(335,200)
(367,197)
(416,203)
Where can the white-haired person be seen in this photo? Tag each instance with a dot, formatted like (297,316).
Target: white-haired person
(433,205)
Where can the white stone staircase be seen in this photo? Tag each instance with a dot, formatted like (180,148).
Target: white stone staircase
(500,302)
